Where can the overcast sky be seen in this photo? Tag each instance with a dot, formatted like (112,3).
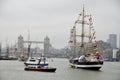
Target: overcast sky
(54,18)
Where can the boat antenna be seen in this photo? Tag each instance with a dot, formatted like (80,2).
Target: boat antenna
(29,44)
(0,48)
(28,35)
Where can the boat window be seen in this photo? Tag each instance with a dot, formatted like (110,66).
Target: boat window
(32,60)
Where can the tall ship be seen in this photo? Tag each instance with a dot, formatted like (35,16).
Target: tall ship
(83,44)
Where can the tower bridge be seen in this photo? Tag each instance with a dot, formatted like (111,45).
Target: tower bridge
(46,44)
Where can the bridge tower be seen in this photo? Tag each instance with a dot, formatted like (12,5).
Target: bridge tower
(20,45)
(46,46)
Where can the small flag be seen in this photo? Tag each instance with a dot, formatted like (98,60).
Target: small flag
(71,41)
(75,21)
(91,26)
(80,14)
(83,13)
(96,49)
(90,19)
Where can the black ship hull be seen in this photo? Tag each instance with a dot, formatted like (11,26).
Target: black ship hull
(87,65)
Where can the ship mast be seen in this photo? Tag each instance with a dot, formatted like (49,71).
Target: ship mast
(74,42)
(82,35)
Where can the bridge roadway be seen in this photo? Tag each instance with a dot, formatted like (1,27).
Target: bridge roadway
(40,42)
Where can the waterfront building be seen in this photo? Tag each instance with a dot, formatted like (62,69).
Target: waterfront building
(113,40)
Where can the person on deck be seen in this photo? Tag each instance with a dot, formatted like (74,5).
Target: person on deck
(98,55)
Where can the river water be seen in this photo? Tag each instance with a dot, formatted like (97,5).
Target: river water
(14,70)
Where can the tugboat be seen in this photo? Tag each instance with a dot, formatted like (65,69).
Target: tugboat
(86,54)
(36,61)
(37,64)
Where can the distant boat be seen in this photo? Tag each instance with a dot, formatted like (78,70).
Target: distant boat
(88,56)
(23,58)
(7,55)
(12,58)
